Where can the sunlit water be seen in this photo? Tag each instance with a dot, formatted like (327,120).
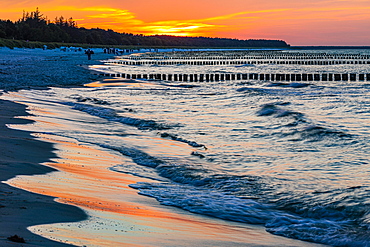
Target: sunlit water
(293,157)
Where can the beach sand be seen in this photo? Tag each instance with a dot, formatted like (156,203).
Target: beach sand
(97,206)
(20,155)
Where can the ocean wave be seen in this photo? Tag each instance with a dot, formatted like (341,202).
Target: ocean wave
(111,115)
(203,201)
(299,127)
(176,138)
(334,217)
(314,133)
(245,65)
(292,85)
(181,85)
(253,90)
(274,109)
(80,98)
(252,200)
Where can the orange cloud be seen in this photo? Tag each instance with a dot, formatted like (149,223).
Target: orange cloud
(125,21)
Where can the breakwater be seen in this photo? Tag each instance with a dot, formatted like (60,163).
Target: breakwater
(249,64)
(245,76)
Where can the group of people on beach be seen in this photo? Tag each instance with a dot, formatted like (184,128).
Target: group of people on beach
(117,51)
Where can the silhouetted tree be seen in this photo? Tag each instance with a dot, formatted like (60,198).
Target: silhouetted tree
(36,27)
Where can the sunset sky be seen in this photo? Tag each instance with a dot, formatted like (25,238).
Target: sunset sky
(310,22)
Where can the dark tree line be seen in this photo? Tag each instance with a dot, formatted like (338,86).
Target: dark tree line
(35,26)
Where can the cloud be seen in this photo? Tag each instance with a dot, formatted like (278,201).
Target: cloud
(126,21)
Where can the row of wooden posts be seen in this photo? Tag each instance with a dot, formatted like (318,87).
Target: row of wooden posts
(251,56)
(250,76)
(240,62)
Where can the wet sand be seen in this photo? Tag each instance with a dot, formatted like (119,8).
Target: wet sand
(21,154)
(97,205)
(120,217)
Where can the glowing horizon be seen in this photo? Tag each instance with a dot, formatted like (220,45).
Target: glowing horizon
(319,22)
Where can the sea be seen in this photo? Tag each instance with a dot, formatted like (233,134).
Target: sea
(292,156)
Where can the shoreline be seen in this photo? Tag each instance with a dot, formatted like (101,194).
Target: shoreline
(22,68)
(35,156)
(21,153)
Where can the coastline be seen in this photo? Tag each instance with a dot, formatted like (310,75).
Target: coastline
(23,154)
(36,68)
(20,155)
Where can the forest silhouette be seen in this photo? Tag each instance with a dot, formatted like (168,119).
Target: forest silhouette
(34,26)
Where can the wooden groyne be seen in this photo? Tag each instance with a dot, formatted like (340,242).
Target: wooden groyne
(247,55)
(239,62)
(245,76)
(241,59)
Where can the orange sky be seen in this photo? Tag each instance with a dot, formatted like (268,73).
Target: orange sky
(310,22)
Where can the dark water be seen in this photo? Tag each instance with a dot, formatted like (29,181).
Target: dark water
(291,156)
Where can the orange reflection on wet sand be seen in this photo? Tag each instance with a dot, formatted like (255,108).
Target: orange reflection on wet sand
(117,214)
(117,83)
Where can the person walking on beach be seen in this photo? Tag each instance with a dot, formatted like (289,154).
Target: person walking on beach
(89,52)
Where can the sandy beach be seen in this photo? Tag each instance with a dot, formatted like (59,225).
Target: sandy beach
(63,189)
(21,154)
